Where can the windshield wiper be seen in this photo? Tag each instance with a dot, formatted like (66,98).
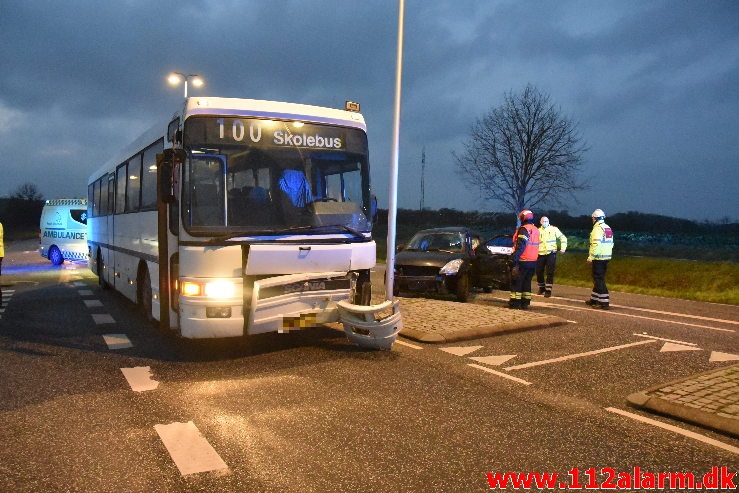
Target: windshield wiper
(321,229)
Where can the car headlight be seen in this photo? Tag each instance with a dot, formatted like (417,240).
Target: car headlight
(452,267)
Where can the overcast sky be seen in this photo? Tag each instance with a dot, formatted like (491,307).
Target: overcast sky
(652,85)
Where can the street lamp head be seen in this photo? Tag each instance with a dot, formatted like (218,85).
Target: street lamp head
(175,78)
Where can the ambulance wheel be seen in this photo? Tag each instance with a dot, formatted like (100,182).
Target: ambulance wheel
(144,294)
(55,255)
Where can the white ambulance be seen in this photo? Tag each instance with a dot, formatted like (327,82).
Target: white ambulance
(63,234)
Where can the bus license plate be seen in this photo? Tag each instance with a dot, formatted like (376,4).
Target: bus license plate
(300,322)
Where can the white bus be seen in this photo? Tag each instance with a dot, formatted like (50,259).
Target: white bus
(242,217)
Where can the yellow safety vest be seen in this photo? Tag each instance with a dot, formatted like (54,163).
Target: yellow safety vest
(548,238)
(601,242)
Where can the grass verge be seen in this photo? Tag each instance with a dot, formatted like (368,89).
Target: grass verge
(716,282)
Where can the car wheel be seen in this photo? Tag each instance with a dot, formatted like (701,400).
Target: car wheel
(55,255)
(463,288)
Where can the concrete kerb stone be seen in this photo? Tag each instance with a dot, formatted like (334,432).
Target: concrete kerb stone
(439,321)
(646,400)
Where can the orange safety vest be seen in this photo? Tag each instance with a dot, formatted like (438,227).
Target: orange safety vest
(531,250)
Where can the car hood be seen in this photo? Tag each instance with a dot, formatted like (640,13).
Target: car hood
(425,259)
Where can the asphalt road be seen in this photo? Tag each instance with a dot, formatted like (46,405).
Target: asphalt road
(308,412)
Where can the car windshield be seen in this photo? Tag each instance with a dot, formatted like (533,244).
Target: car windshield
(258,176)
(437,241)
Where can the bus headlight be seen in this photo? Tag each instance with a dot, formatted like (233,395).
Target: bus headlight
(451,267)
(218,288)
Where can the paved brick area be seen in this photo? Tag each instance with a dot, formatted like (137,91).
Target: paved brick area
(716,392)
(709,399)
(433,320)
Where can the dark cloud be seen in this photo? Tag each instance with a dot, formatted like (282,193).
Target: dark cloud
(652,85)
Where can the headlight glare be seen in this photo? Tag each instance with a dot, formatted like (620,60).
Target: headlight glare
(452,267)
(219,289)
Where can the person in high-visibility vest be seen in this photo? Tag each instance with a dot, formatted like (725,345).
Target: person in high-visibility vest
(551,240)
(601,250)
(523,261)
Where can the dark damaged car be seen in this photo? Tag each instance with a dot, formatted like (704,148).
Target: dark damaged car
(452,260)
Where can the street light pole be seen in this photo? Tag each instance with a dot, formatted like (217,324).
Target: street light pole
(392,212)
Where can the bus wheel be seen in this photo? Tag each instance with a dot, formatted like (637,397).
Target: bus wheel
(144,294)
(55,255)
(99,266)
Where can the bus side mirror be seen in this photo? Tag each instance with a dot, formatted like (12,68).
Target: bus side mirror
(165,165)
(373,208)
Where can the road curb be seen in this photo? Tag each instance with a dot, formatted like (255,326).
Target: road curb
(700,417)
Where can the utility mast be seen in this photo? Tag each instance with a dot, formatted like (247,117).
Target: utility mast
(423,170)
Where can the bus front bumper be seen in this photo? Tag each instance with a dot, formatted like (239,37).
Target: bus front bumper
(373,326)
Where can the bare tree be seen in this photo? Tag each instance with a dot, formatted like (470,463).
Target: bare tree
(27,191)
(523,153)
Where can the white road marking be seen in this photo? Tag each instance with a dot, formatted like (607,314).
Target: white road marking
(85,292)
(92,303)
(687,433)
(662,312)
(667,340)
(500,374)
(102,318)
(117,341)
(139,378)
(621,314)
(460,350)
(719,356)
(407,344)
(493,360)
(671,347)
(578,355)
(79,284)
(189,450)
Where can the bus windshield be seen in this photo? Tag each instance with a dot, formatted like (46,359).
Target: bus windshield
(248,175)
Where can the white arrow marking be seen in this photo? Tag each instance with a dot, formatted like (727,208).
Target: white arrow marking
(718,356)
(671,347)
(461,350)
(494,360)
